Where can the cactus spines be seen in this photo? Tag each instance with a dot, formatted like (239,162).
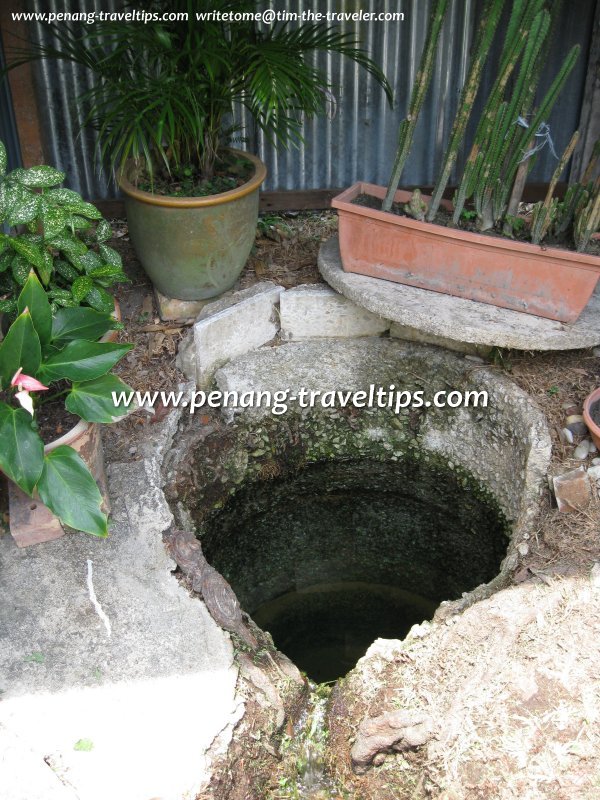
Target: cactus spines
(485,36)
(545,212)
(419,91)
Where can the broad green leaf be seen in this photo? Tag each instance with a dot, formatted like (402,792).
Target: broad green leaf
(89,261)
(32,252)
(8,306)
(18,205)
(3,159)
(47,270)
(20,269)
(35,299)
(103,231)
(65,270)
(67,487)
(82,361)
(20,348)
(4,240)
(81,287)
(6,260)
(42,177)
(100,299)
(21,449)
(54,219)
(92,400)
(110,256)
(80,323)
(69,244)
(62,196)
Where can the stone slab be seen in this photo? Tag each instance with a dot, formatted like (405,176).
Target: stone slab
(315,311)
(455,319)
(172,310)
(237,325)
(151,695)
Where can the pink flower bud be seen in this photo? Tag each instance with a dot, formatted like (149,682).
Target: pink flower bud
(26,382)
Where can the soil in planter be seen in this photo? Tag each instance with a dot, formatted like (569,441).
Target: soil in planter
(467,223)
(231,171)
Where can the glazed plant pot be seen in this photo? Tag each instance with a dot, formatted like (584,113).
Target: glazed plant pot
(194,248)
(591,406)
(546,282)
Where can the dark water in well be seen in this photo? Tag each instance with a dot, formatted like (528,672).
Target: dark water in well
(326,628)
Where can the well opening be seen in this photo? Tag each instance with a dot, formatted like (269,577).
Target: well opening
(337,527)
(344,552)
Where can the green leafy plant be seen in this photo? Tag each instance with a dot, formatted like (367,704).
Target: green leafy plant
(41,349)
(59,235)
(163,94)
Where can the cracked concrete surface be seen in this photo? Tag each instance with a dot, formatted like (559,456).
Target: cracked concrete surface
(131,715)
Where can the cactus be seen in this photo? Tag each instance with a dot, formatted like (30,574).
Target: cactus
(416,207)
(419,91)
(485,35)
(545,212)
(522,16)
(587,221)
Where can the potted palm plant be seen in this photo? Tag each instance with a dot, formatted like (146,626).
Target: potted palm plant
(479,247)
(162,104)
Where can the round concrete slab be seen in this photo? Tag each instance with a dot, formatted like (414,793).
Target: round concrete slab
(426,316)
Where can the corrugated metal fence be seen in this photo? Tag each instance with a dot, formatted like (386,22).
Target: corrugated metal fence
(359,142)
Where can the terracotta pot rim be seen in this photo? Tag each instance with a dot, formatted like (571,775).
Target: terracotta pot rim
(260,173)
(344,201)
(590,400)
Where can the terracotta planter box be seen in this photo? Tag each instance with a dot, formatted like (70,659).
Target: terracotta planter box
(594,428)
(551,283)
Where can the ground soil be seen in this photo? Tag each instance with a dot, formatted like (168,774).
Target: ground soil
(514,742)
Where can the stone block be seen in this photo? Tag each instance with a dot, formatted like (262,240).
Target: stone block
(172,310)
(30,521)
(318,312)
(573,490)
(234,326)
(409,334)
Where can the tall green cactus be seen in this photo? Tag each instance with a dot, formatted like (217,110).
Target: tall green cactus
(417,98)
(522,15)
(588,220)
(485,35)
(545,212)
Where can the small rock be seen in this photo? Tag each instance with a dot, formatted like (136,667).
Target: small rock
(572,490)
(379,759)
(474,359)
(596,352)
(582,450)
(132,451)
(594,472)
(397,730)
(576,425)
(592,447)
(595,461)
(523,548)
(566,436)
(570,408)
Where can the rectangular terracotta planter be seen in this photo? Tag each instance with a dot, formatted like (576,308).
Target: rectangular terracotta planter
(551,283)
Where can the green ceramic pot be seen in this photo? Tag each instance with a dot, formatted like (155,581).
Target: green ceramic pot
(194,248)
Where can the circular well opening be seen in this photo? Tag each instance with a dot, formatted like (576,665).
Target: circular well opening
(341,553)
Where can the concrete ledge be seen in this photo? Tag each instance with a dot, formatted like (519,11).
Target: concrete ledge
(318,312)
(230,327)
(455,321)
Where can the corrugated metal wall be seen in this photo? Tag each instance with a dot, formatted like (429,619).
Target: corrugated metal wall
(360,141)
(8,128)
